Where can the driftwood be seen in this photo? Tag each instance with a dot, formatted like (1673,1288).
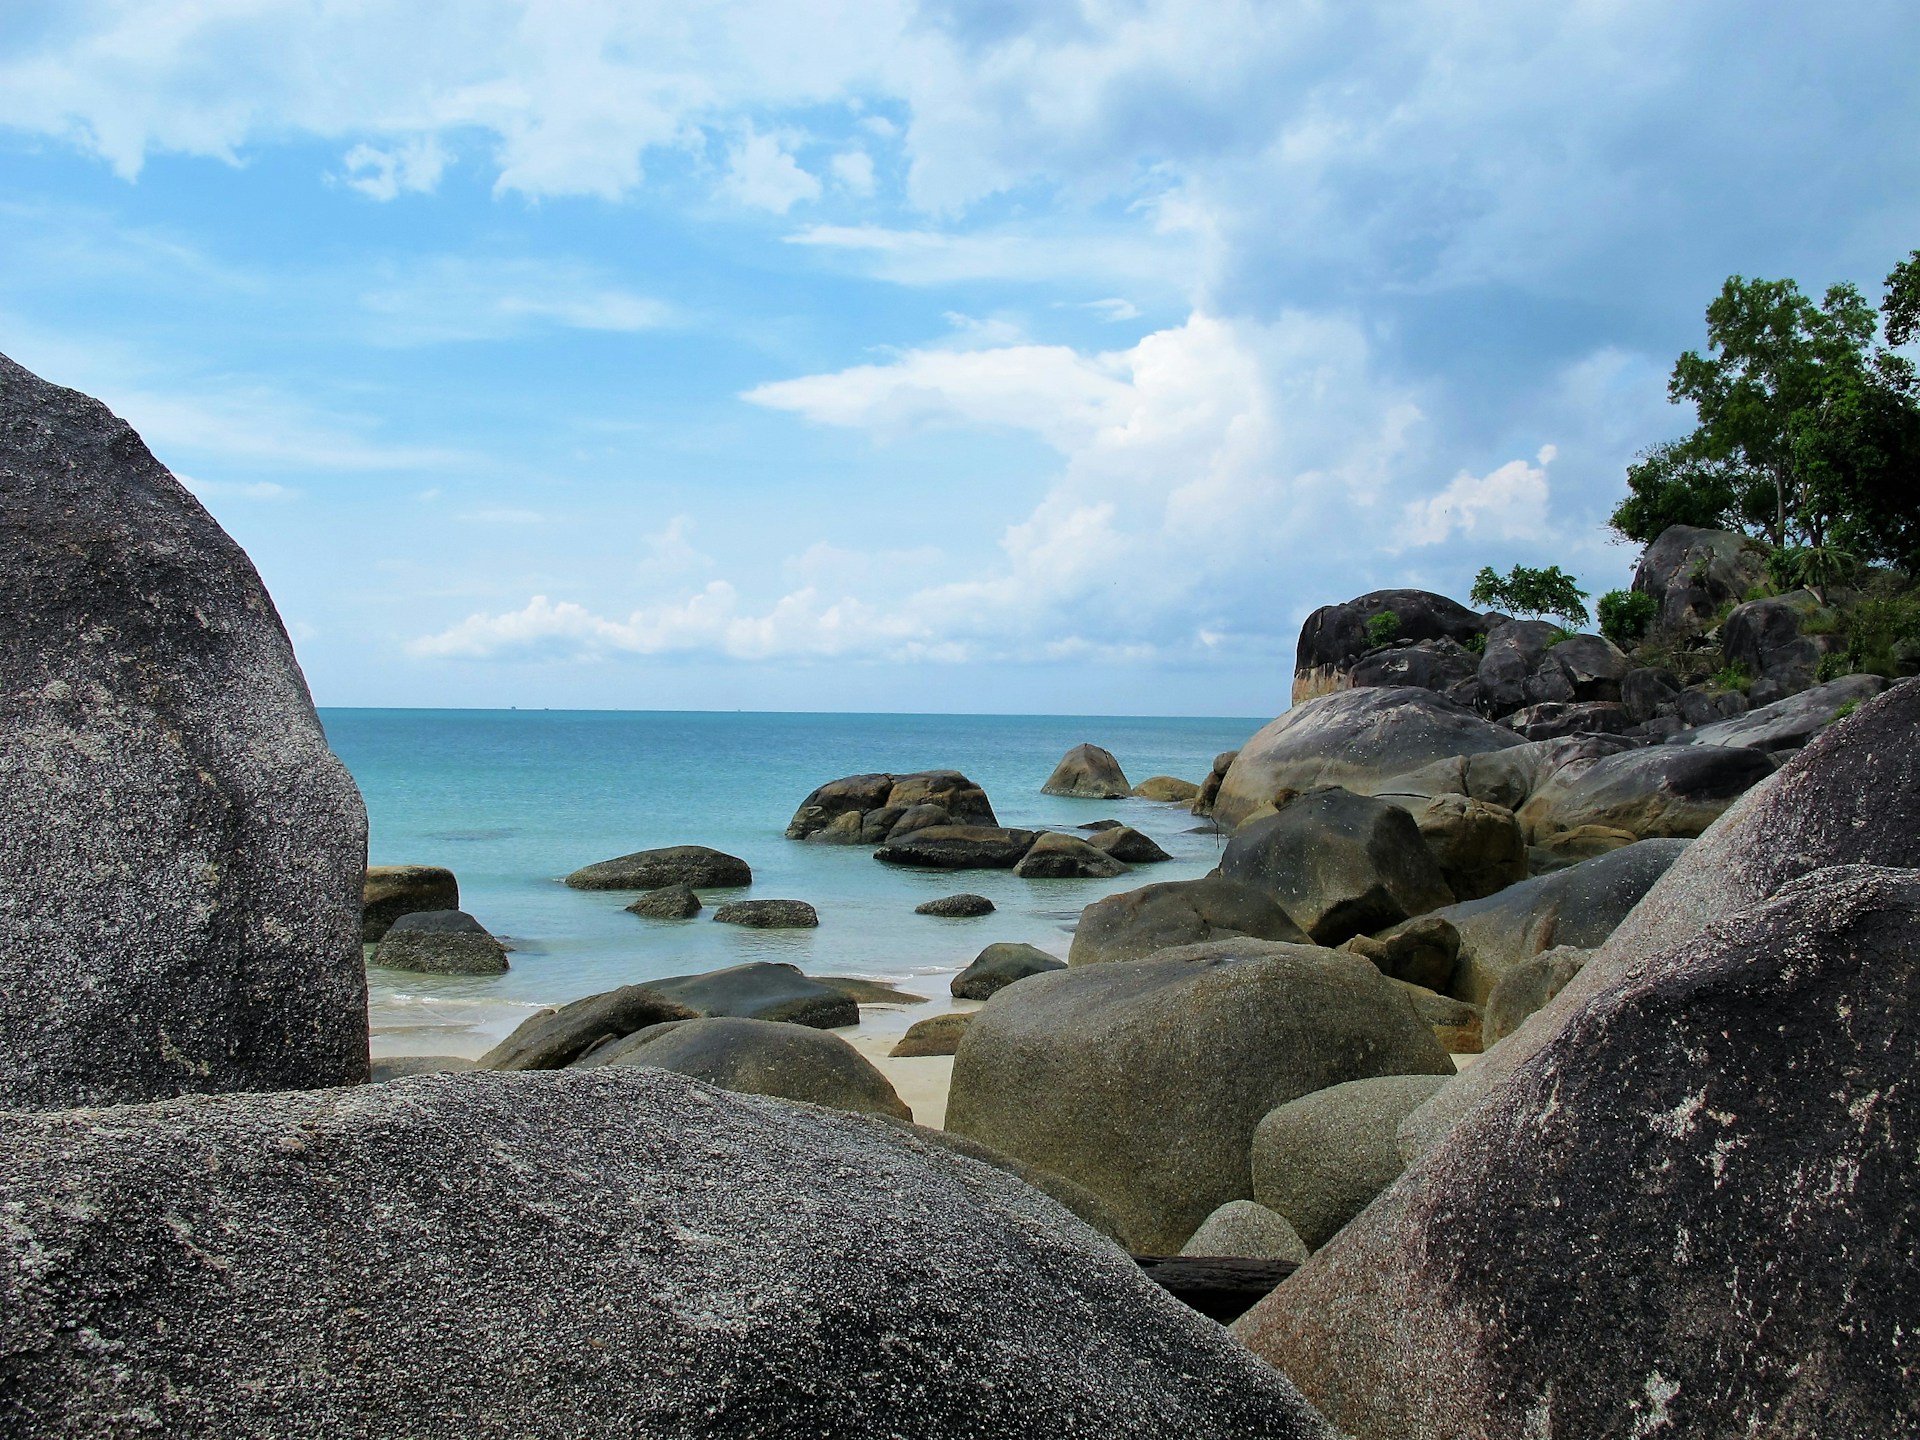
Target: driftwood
(1221,1287)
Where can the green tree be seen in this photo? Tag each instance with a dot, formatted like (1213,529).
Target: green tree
(1525,591)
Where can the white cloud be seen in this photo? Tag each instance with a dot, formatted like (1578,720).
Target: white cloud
(764,175)
(1509,503)
(854,170)
(382,174)
(1114,309)
(455,298)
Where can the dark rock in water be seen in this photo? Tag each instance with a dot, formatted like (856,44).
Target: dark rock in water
(440,942)
(1479,845)
(936,1035)
(398,1067)
(1127,844)
(1769,638)
(1318,1161)
(1529,985)
(669,902)
(1788,724)
(1334,637)
(761,990)
(998,966)
(1210,787)
(1691,1212)
(959,847)
(759,1057)
(183,855)
(389,891)
(1693,572)
(1067,857)
(1095,1072)
(1340,864)
(769,914)
(694,865)
(1661,791)
(1142,922)
(1167,790)
(869,992)
(609,1252)
(956,907)
(1089,772)
(1356,739)
(554,1039)
(1096,826)
(867,809)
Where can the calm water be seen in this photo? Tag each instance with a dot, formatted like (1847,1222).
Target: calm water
(513,800)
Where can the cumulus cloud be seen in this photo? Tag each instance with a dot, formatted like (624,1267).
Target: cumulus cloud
(1509,503)
(763,174)
(382,174)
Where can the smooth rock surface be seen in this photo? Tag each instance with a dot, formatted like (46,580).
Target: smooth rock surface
(1167,789)
(1248,1231)
(1127,844)
(1141,922)
(181,855)
(769,914)
(695,865)
(936,1035)
(1693,572)
(1528,986)
(669,902)
(1144,1081)
(389,891)
(1480,847)
(956,907)
(614,1252)
(959,847)
(1664,791)
(998,966)
(1690,1212)
(554,1039)
(1790,723)
(440,942)
(1089,772)
(761,990)
(1054,856)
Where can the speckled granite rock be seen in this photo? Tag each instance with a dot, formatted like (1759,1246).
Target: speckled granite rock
(181,855)
(440,942)
(390,891)
(620,1252)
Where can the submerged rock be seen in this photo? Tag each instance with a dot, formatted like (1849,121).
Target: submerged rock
(959,847)
(1089,772)
(956,907)
(620,1251)
(669,902)
(1067,857)
(694,865)
(389,891)
(998,966)
(1137,923)
(181,854)
(441,942)
(769,914)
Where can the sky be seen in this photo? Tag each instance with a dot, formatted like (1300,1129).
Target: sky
(1058,356)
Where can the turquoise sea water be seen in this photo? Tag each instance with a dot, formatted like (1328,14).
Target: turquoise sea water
(512,800)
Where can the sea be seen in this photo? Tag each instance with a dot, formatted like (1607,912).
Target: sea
(512,800)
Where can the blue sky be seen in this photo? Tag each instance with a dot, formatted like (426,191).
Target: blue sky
(873,355)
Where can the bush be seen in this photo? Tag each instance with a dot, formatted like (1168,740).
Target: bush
(1811,567)
(1733,676)
(1383,629)
(1883,632)
(1625,615)
(1538,593)
(1477,643)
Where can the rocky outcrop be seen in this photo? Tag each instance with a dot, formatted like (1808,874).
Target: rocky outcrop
(759,1057)
(1693,573)
(1144,1081)
(181,854)
(998,966)
(1356,739)
(1167,789)
(554,1039)
(761,990)
(1512,656)
(936,1035)
(619,1251)
(1443,665)
(1780,641)
(669,902)
(1335,636)
(440,942)
(1712,1154)
(1090,773)
(1141,922)
(1340,864)
(1126,844)
(1423,952)
(1556,720)
(389,891)
(1790,723)
(1664,791)
(1318,1161)
(694,865)
(1067,857)
(1248,1231)
(1210,787)
(1479,846)
(868,809)
(956,907)
(769,914)
(1527,986)
(959,847)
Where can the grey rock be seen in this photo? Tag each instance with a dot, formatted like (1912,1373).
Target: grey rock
(998,966)
(1246,1230)
(1479,846)
(1788,724)
(1089,772)
(440,942)
(1127,844)
(956,907)
(1356,739)
(669,902)
(1693,572)
(1334,637)
(1570,847)
(1210,787)
(1706,705)
(1141,922)
(1527,986)
(865,990)
(1455,1023)
(1144,1081)
(1422,952)
(1319,1160)
(609,1252)
(759,1057)
(1067,857)
(1511,659)
(761,990)
(1085,1205)
(669,865)
(397,1067)
(867,809)
(183,855)
(1690,1213)
(936,1035)
(1648,693)
(1441,665)
(389,891)
(1167,789)
(1340,864)
(554,1039)
(1769,637)
(1508,777)
(1593,667)
(1660,791)
(769,914)
(1583,717)
(959,847)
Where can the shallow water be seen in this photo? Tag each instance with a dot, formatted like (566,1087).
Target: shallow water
(512,800)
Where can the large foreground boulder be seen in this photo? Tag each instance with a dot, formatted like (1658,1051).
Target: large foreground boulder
(1690,1213)
(695,865)
(1089,772)
(1143,922)
(1144,1081)
(866,809)
(1665,790)
(609,1252)
(390,891)
(181,854)
(759,1057)
(441,942)
(1355,739)
(1340,864)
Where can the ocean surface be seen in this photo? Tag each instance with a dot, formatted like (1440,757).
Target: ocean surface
(512,800)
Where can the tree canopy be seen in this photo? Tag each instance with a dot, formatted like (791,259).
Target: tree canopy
(1809,424)
(1526,591)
